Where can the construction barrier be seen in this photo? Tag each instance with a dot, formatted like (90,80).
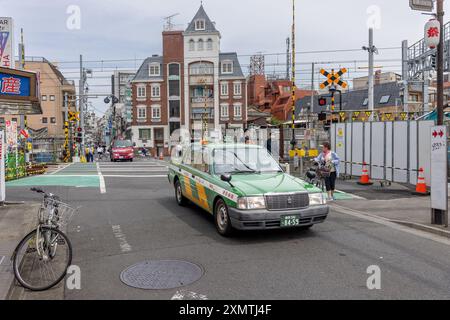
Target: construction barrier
(394,151)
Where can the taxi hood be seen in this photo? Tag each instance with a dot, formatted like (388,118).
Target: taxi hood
(260,184)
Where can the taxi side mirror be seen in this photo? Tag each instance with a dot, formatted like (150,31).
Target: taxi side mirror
(226,177)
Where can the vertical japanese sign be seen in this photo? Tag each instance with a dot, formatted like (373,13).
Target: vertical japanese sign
(439,185)
(2,166)
(6,42)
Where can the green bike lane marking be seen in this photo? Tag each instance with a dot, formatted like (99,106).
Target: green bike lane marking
(75,175)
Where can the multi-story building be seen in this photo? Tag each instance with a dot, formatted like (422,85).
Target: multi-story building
(190,83)
(53,88)
(121,88)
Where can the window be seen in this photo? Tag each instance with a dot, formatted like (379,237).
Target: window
(15,119)
(45,120)
(227,67)
(287,89)
(52,98)
(237,89)
(2,120)
(156,91)
(200,25)
(384,99)
(53,120)
(174,69)
(209,45)
(141,92)
(155,70)
(366,102)
(224,89)
(142,112)
(224,111)
(200,45)
(238,111)
(156,112)
(174,108)
(174,88)
(201,68)
(145,134)
(191,45)
(44,98)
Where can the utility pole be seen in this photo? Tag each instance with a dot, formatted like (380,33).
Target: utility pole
(405,76)
(81,103)
(371,50)
(371,80)
(294,87)
(440,64)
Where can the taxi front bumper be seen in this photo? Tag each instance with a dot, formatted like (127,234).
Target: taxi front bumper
(265,219)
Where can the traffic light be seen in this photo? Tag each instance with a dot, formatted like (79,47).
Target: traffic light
(79,137)
(322,102)
(433,61)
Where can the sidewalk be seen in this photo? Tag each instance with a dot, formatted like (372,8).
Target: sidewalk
(395,203)
(15,222)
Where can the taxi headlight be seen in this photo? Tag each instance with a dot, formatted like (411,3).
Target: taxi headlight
(317,199)
(251,203)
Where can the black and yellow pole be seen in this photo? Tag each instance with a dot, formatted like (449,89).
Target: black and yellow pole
(66,142)
(294,87)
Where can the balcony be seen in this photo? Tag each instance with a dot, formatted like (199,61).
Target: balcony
(199,102)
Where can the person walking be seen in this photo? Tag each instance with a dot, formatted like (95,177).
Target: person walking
(329,165)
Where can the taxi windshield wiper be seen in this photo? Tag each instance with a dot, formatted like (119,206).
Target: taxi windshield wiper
(243,171)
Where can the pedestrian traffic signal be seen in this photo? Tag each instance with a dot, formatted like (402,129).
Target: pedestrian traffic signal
(433,61)
(322,102)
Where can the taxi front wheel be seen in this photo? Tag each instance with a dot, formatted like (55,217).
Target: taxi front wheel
(222,218)
(181,200)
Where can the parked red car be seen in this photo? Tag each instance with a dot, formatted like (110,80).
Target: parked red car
(122,150)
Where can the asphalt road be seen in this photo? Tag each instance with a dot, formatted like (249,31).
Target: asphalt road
(134,218)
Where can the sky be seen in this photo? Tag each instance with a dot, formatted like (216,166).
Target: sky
(128,31)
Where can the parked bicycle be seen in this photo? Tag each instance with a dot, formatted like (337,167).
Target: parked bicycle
(315,176)
(42,258)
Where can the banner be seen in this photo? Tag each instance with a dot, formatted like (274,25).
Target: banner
(2,166)
(6,43)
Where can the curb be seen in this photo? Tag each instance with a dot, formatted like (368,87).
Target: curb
(411,225)
(423,227)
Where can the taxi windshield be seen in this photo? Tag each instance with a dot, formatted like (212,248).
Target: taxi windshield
(244,160)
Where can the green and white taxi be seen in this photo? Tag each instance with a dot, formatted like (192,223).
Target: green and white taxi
(244,188)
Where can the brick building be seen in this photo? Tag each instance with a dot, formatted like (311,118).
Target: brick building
(173,90)
(274,96)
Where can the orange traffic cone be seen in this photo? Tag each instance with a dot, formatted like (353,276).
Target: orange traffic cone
(421,187)
(365,179)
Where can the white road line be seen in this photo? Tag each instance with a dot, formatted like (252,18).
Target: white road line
(102,180)
(1,260)
(60,169)
(388,223)
(129,176)
(120,236)
(188,295)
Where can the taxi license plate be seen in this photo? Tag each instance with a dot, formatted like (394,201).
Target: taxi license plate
(290,221)
(120,157)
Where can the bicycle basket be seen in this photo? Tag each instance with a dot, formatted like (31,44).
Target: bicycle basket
(62,213)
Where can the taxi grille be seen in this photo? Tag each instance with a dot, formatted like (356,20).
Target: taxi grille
(287,201)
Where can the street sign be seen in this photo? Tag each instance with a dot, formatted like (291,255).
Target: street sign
(333,78)
(421,5)
(439,186)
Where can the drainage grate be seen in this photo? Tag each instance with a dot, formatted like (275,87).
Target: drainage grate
(164,274)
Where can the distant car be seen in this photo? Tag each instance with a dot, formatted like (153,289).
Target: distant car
(122,150)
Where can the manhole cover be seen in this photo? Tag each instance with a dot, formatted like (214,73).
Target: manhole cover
(164,274)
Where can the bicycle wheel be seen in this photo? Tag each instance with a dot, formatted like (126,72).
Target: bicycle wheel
(41,266)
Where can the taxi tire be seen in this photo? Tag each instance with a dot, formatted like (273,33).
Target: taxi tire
(228,230)
(183,201)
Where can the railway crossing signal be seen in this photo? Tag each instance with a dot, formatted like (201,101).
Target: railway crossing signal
(333,78)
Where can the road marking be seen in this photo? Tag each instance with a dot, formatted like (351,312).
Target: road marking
(389,223)
(188,295)
(102,180)
(129,176)
(120,236)
(1,260)
(60,169)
